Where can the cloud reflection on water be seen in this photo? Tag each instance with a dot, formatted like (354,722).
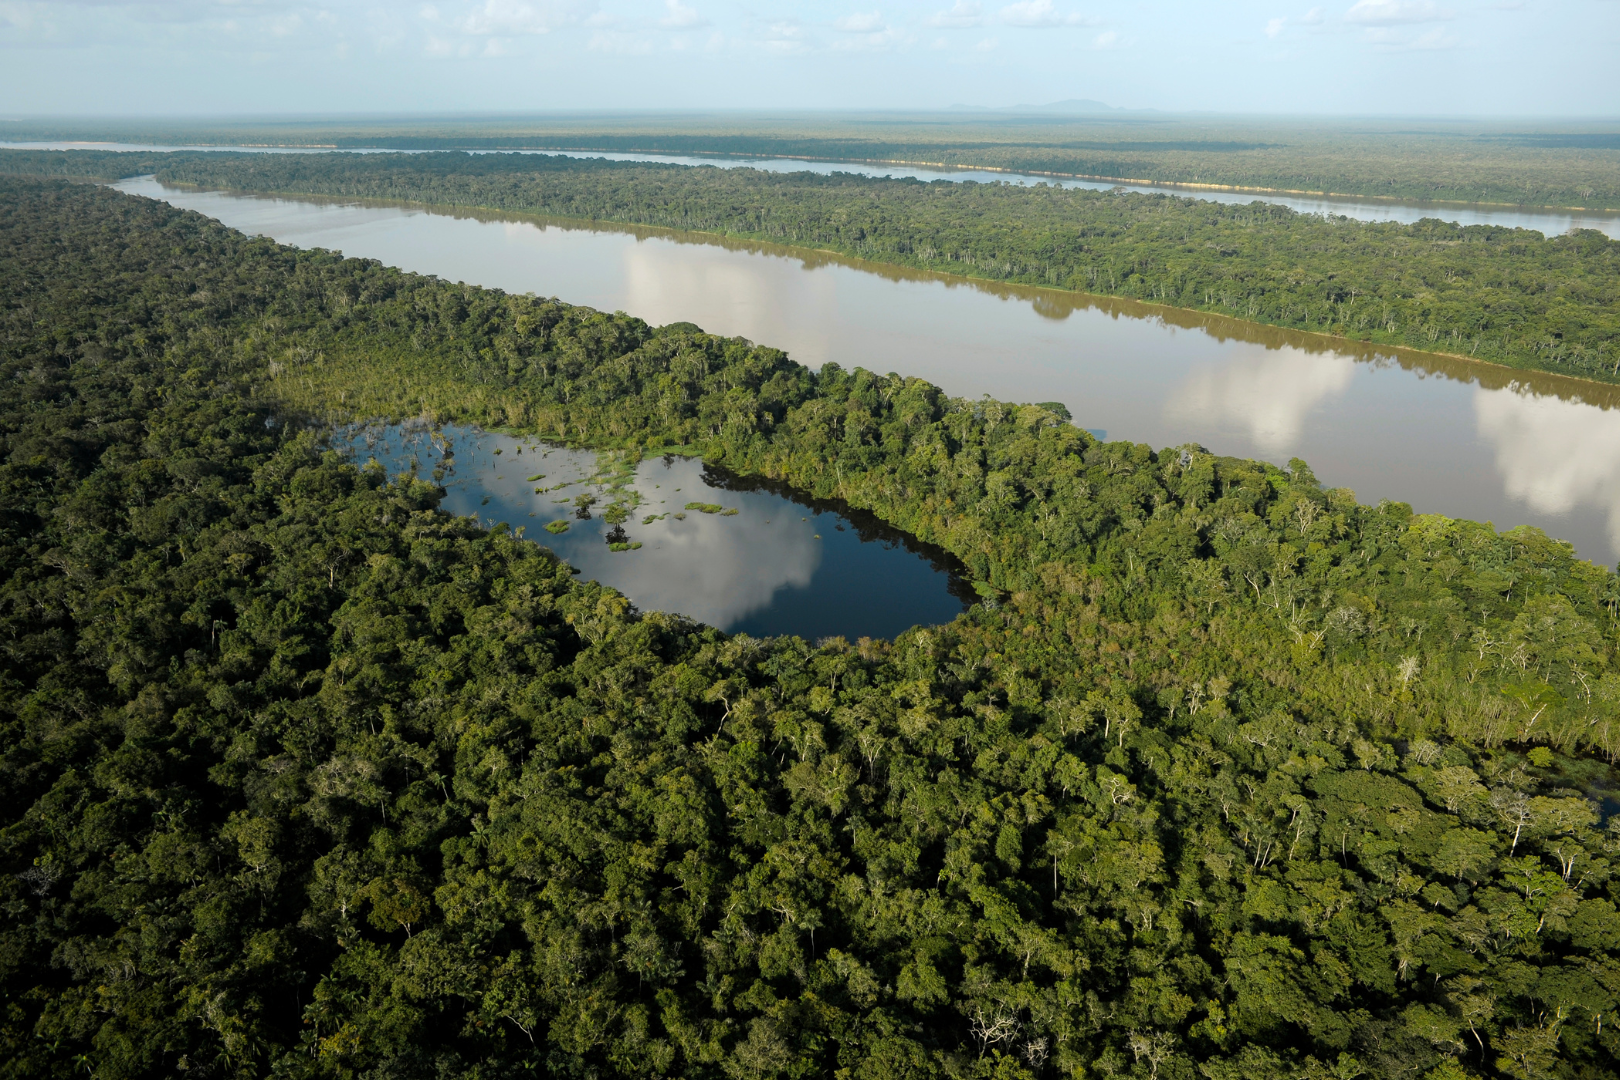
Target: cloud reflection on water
(666,282)
(1268,393)
(1421,428)
(716,570)
(1553,454)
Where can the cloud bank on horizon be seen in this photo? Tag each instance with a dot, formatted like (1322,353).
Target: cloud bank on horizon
(1413,57)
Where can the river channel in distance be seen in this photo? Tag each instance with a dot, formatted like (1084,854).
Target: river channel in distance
(1447,436)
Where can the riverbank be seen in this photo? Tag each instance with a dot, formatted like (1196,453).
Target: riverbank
(1488,373)
(1507,297)
(1143,181)
(1471,441)
(1465,162)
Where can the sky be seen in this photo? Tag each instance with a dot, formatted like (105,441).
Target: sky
(1364,57)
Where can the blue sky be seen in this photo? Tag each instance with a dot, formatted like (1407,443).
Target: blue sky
(1412,57)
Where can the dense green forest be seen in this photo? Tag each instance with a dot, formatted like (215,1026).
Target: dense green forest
(1228,776)
(1502,161)
(1510,296)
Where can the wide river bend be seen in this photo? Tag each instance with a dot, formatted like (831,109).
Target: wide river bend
(1451,437)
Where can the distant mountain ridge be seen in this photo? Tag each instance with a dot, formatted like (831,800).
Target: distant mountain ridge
(1066,107)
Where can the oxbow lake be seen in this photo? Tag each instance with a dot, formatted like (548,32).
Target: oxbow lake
(760,560)
(1448,436)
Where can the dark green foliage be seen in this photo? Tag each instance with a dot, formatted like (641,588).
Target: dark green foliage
(306,778)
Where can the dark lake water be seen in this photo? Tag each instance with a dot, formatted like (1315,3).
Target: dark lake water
(765,562)
(1448,436)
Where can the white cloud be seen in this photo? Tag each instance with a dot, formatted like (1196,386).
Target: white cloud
(1312,17)
(681,17)
(506,18)
(1040,13)
(618,43)
(1392,40)
(784,36)
(1108,39)
(1390,25)
(888,39)
(1274,27)
(986,45)
(866,32)
(173,7)
(870,22)
(1395,12)
(175,11)
(963,14)
(125,23)
(1434,40)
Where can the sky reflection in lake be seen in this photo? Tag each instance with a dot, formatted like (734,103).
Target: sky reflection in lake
(775,566)
(1448,436)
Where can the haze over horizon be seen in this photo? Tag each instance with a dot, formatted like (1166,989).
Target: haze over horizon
(1364,57)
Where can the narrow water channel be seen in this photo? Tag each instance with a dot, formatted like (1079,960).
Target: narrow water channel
(1549,222)
(1450,437)
(741,556)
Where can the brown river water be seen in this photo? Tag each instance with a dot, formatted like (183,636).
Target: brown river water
(1448,436)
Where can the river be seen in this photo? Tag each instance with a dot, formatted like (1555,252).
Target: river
(1549,222)
(1448,436)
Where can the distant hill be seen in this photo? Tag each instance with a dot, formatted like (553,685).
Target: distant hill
(1071,106)
(1067,107)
